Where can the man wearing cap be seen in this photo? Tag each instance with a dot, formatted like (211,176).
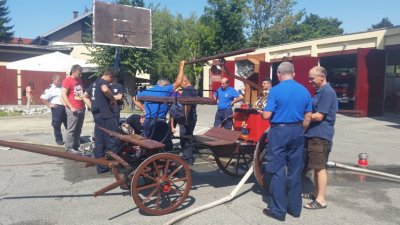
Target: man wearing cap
(289,111)
(226,97)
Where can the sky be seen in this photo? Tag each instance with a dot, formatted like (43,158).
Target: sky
(31,18)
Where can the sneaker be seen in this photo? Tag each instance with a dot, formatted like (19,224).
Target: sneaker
(60,142)
(73,151)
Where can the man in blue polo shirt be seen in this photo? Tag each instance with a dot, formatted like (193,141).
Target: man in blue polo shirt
(289,110)
(154,125)
(226,97)
(320,134)
(101,103)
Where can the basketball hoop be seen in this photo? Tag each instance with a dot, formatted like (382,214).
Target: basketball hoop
(126,37)
(121,25)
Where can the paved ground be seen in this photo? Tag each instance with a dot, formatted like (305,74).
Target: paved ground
(37,189)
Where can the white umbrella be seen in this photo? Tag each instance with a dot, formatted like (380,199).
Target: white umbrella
(52,62)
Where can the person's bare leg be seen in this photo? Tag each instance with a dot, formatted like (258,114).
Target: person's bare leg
(315,183)
(321,183)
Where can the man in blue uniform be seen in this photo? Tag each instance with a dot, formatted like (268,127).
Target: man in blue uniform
(320,134)
(101,104)
(289,110)
(226,97)
(118,92)
(51,97)
(155,113)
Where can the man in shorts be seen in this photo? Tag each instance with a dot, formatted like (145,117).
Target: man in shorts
(319,135)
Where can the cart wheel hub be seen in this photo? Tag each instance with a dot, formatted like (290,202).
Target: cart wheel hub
(166,187)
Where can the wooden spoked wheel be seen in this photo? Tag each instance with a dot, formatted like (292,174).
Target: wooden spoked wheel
(235,161)
(259,158)
(161,184)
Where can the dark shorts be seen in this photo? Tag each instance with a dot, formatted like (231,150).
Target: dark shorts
(317,153)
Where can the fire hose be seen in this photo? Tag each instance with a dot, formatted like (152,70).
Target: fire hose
(248,174)
(363,170)
(215,203)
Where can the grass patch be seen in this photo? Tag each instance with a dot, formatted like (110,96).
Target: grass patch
(15,113)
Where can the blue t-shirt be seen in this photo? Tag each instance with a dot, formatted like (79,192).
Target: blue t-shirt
(225,97)
(154,109)
(100,103)
(325,102)
(288,101)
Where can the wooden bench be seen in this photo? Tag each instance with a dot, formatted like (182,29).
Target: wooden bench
(135,139)
(216,137)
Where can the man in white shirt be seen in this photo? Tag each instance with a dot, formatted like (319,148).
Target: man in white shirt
(51,97)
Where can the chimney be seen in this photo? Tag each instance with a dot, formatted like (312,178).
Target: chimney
(75,14)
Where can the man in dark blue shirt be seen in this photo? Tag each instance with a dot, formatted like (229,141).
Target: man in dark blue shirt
(289,111)
(101,104)
(155,113)
(187,127)
(226,97)
(320,134)
(118,92)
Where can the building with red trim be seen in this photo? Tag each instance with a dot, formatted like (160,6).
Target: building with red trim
(364,68)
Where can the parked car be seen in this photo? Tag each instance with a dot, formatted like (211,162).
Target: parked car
(344,89)
(343,92)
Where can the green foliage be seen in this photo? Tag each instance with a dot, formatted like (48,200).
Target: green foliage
(138,3)
(227,21)
(11,113)
(6,33)
(272,23)
(174,39)
(314,26)
(220,29)
(385,22)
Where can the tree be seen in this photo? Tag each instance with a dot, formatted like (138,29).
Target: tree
(227,19)
(138,3)
(314,26)
(271,21)
(6,33)
(385,22)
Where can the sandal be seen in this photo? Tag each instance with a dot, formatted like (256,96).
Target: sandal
(309,195)
(314,205)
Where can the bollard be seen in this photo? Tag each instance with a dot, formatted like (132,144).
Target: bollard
(363,160)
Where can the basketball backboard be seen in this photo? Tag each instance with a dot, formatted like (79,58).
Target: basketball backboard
(121,25)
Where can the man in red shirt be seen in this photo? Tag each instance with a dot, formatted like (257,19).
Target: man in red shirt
(71,94)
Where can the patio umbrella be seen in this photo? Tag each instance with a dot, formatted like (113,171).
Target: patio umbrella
(52,62)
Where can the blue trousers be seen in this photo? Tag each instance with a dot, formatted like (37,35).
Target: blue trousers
(221,115)
(157,129)
(187,129)
(103,141)
(284,165)
(58,117)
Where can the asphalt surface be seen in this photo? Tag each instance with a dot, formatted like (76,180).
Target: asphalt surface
(38,189)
